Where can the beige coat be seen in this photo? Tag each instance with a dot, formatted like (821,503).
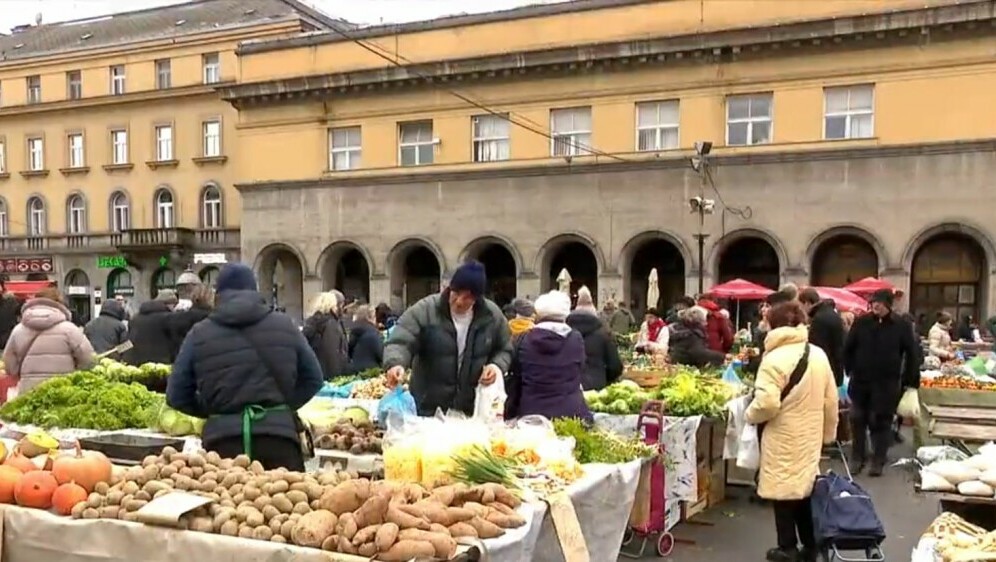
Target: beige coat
(59,348)
(939,340)
(797,428)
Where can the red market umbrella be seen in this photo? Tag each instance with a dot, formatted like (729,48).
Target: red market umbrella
(869,285)
(26,289)
(843,299)
(738,289)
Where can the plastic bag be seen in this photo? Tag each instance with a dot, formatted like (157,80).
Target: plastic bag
(398,402)
(933,453)
(730,375)
(403,448)
(909,405)
(842,391)
(734,426)
(749,451)
(489,402)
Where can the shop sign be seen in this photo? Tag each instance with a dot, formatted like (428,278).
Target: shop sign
(77,291)
(124,291)
(210,259)
(111,262)
(26,265)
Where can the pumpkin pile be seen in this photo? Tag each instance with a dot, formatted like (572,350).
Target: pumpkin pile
(50,480)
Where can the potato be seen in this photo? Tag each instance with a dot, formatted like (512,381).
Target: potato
(168,471)
(367,550)
(245,531)
(331,543)
(312,529)
(372,512)
(236,488)
(485,529)
(293,477)
(208,485)
(444,544)
(297,496)
(187,471)
(95,500)
(150,460)
(261,502)
(202,525)
(109,512)
(275,525)
(150,472)
(229,480)
(77,511)
(242,461)
(386,536)
(134,505)
(90,513)
(346,547)
(302,508)
(286,528)
(314,490)
(251,492)
(365,535)
(224,515)
(229,528)
(256,467)
(279,487)
(196,460)
(143,495)
(278,538)
(255,519)
(402,551)
(270,512)
(347,527)
(130,488)
(262,533)
(114,497)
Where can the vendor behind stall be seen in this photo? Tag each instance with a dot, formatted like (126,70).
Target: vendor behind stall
(939,337)
(247,369)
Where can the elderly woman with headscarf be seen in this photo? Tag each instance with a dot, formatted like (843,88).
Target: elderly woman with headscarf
(549,361)
(689,345)
(602,364)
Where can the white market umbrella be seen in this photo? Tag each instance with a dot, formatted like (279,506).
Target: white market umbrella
(564,281)
(653,289)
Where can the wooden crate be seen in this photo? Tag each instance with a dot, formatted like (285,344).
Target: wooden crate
(646,379)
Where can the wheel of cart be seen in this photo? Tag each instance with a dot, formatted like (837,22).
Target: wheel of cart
(650,425)
(844,519)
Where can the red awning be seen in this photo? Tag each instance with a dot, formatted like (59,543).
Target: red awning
(843,299)
(738,289)
(869,285)
(26,289)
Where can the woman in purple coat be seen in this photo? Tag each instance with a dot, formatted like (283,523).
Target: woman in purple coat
(549,362)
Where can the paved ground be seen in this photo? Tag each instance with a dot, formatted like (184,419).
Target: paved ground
(742,531)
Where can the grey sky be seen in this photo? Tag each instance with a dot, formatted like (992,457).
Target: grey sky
(17,12)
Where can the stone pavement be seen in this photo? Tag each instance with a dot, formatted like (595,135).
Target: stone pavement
(743,531)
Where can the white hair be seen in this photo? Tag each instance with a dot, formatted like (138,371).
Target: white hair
(325,303)
(695,315)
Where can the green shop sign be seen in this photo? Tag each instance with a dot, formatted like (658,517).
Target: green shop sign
(111,262)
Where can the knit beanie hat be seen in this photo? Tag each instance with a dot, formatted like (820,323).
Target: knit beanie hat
(554,305)
(470,277)
(523,307)
(585,301)
(235,277)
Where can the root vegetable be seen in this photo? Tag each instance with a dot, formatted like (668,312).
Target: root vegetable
(95,500)
(476,508)
(143,495)
(386,536)
(109,512)
(500,494)
(229,528)
(367,550)
(279,487)
(261,502)
(347,527)
(365,535)
(348,496)
(372,512)
(202,525)
(446,495)
(90,513)
(346,547)
(302,508)
(223,516)
(437,528)
(245,531)
(262,533)
(297,496)
(255,519)
(77,511)
(444,544)
(403,551)
(406,520)
(269,512)
(283,503)
(312,529)
(504,520)
(251,493)
(134,505)
(279,539)
(331,544)
(485,529)
(463,530)
(286,528)
(314,491)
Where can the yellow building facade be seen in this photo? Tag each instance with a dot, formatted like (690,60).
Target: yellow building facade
(116,155)
(849,139)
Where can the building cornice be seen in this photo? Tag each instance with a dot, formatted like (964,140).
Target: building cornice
(110,100)
(723,45)
(596,165)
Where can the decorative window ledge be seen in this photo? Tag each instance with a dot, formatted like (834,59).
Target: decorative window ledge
(118,167)
(202,160)
(74,171)
(34,174)
(156,164)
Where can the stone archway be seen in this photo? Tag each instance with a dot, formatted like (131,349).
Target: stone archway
(575,254)
(280,274)
(843,259)
(949,273)
(750,258)
(344,266)
(645,253)
(416,271)
(500,265)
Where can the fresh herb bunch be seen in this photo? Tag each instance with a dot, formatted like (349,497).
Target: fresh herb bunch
(84,400)
(343,380)
(481,466)
(598,446)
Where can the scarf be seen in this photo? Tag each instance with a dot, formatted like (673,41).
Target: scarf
(654,329)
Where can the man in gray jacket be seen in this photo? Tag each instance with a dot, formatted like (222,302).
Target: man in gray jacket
(452,341)
(107,330)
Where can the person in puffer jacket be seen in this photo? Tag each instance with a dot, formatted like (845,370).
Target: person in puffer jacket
(46,343)
(107,330)
(602,363)
(719,334)
(688,340)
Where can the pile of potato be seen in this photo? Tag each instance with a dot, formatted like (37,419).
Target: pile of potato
(334,511)
(356,438)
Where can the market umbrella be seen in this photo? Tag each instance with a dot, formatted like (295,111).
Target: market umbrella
(653,290)
(738,289)
(564,281)
(843,299)
(869,285)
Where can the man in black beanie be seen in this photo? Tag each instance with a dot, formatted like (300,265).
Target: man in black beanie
(881,357)
(452,341)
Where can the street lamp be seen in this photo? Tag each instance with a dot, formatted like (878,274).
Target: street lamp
(699,204)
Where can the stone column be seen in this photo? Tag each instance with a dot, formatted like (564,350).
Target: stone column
(610,286)
(796,275)
(527,286)
(380,289)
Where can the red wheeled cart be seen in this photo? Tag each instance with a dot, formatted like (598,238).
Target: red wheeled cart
(650,425)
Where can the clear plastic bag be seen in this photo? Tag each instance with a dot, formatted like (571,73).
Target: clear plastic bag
(489,402)
(445,437)
(397,402)
(403,448)
(749,451)
(909,404)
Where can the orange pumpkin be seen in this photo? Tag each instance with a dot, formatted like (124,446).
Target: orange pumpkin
(20,462)
(86,468)
(9,477)
(35,489)
(66,496)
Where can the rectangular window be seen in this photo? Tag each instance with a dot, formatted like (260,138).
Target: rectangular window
(120,213)
(657,125)
(491,142)
(74,85)
(345,150)
(36,154)
(164,143)
(571,131)
(36,221)
(4,230)
(849,112)
(212,138)
(34,89)
(748,119)
(164,74)
(76,157)
(3,158)
(77,218)
(119,147)
(117,80)
(416,147)
(212,68)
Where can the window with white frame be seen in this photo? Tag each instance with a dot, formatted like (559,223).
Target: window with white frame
(849,112)
(36,217)
(211,203)
(120,212)
(119,146)
(117,80)
(748,119)
(34,89)
(76,213)
(345,148)
(164,74)
(416,146)
(164,209)
(164,143)
(212,68)
(491,137)
(571,131)
(77,158)
(3,157)
(36,154)
(657,125)
(212,138)
(4,223)
(74,85)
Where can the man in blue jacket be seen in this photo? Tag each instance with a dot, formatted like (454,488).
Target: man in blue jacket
(247,369)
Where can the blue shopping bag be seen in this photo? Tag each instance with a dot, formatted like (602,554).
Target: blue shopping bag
(397,402)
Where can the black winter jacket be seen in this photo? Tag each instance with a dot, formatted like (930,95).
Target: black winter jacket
(10,310)
(881,357)
(602,364)
(180,323)
(223,367)
(425,340)
(826,330)
(107,330)
(325,334)
(688,346)
(149,332)
(366,347)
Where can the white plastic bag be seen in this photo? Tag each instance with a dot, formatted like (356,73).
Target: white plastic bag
(735,426)
(749,452)
(909,405)
(489,402)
